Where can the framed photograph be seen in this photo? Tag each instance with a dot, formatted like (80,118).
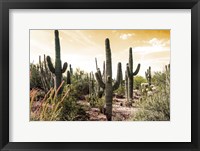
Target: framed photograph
(99,75)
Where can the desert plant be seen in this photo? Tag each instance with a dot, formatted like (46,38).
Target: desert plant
(107,85)
(157,106)
(138,80)
(68,78)
(35,81)
(46,76)
(148,76)
(57,70)
(50,107)
(130,75)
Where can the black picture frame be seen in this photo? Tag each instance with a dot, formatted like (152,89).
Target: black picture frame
(5,5)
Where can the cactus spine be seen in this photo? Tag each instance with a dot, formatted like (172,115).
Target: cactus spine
(57,70)
(131,75)
(148,75)
(107,85)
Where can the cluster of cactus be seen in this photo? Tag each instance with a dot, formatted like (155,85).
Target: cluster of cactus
(148,76)
(107,84)
(129,76)
(45,75)
(58,70)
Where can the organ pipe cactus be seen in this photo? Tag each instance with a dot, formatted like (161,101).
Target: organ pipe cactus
(58,69)
(107,85)
(131,74)
(148,75)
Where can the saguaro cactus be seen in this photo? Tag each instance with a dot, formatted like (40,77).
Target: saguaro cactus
(58,69)
(148,75)
(107,85)
(71,69)
(68,79)
(131,75)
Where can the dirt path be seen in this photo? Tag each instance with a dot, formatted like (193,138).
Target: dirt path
(121,112)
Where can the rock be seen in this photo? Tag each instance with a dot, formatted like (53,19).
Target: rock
(83,103)
(95,110)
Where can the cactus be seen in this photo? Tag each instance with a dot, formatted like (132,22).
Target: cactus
(167,68)
(57,70)
(148,75)
(45,75)
(99,90)
(71,69)
(126,84)
(91,85)
(68,77)
(107,85)
(131,74)
(104,73)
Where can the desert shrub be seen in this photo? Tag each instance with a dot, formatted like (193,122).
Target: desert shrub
(157,106)
(120,92)
(35,81)
(137,82)
(71,110)
(97,102)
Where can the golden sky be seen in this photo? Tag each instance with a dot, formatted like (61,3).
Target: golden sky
(80,47)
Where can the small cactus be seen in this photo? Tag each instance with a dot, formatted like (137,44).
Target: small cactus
(107,85)
(57,70)
(148,75)
(71,69)
(68,77)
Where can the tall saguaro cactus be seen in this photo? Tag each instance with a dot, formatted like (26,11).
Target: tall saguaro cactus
(107,85)
(58,69)
(131,74)
(148,75)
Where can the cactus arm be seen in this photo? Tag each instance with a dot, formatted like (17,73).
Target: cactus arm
(99,80)
(118,80)
(137,70)
(64,67)
(99,73)
(96,63)
(50,65)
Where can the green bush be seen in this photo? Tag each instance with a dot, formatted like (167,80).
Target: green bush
(137,81)
(35,81)
(120,92)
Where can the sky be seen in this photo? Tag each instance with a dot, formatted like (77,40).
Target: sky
(80,48)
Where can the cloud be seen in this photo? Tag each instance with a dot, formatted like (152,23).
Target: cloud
(125,36)
(157,42)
